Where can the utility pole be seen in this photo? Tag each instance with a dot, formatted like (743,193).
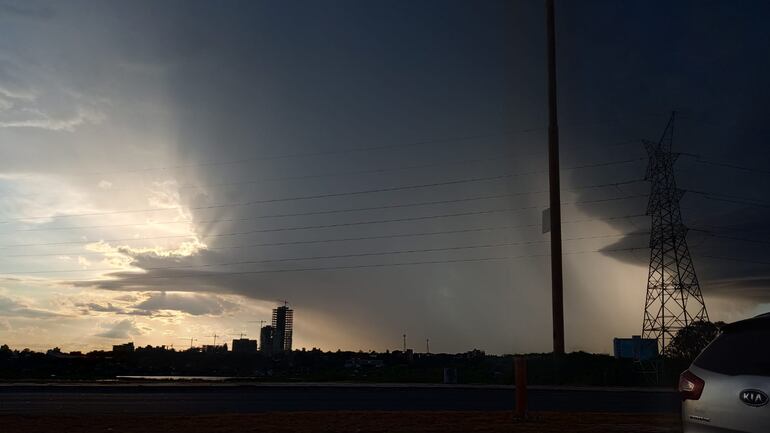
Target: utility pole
(557,284)
(404,343)
(427,345)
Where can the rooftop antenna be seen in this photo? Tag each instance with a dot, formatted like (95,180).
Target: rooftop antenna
(404,343)
(427,345)
(285,302)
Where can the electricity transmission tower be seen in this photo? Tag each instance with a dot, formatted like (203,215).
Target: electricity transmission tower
(674,298)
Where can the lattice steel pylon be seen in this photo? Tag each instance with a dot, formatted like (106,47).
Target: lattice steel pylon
(674,298)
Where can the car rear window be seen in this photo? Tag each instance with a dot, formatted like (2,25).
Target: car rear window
(740,351)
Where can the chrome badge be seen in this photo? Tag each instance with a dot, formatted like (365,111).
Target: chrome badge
(753,397)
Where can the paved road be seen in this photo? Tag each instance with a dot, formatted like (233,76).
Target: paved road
(202,399)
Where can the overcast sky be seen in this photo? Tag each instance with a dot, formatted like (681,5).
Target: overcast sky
(173,169)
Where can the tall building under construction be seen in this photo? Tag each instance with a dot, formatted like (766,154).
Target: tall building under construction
(283,325)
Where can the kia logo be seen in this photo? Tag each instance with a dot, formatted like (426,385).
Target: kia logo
(753,397)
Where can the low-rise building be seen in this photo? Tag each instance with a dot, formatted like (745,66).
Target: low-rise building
(123,348)
(244,345)
(636,348)
(211,348)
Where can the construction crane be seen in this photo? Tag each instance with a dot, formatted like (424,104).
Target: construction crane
(261,325)
(215,338)
(191,340)
(261,322)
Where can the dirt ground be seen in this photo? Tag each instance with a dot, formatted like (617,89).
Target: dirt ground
(349,422)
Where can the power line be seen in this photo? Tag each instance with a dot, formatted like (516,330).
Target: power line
(358,238)
(304,242)
(355,172)
(383,265)
(465,161)
(318,153)
(498,157)
(322,212)
(328,257)
(379,265)
(735,238)
(730,198)
(723,126)
(701,160)
(417,143)
(295,228)
(733,228)
(319,196)
(734,259)
(284,199)
(296,214)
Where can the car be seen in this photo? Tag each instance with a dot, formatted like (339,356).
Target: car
(727,387)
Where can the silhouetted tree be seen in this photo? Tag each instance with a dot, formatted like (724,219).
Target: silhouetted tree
(692,339)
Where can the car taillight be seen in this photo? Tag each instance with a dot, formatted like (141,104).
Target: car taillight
(690,386)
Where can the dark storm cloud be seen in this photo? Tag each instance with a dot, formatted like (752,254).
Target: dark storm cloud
(361,75)
(161,303)
(750,288)
(259,85)
(196,305)
(702,62)
(26,9)
(260,80)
